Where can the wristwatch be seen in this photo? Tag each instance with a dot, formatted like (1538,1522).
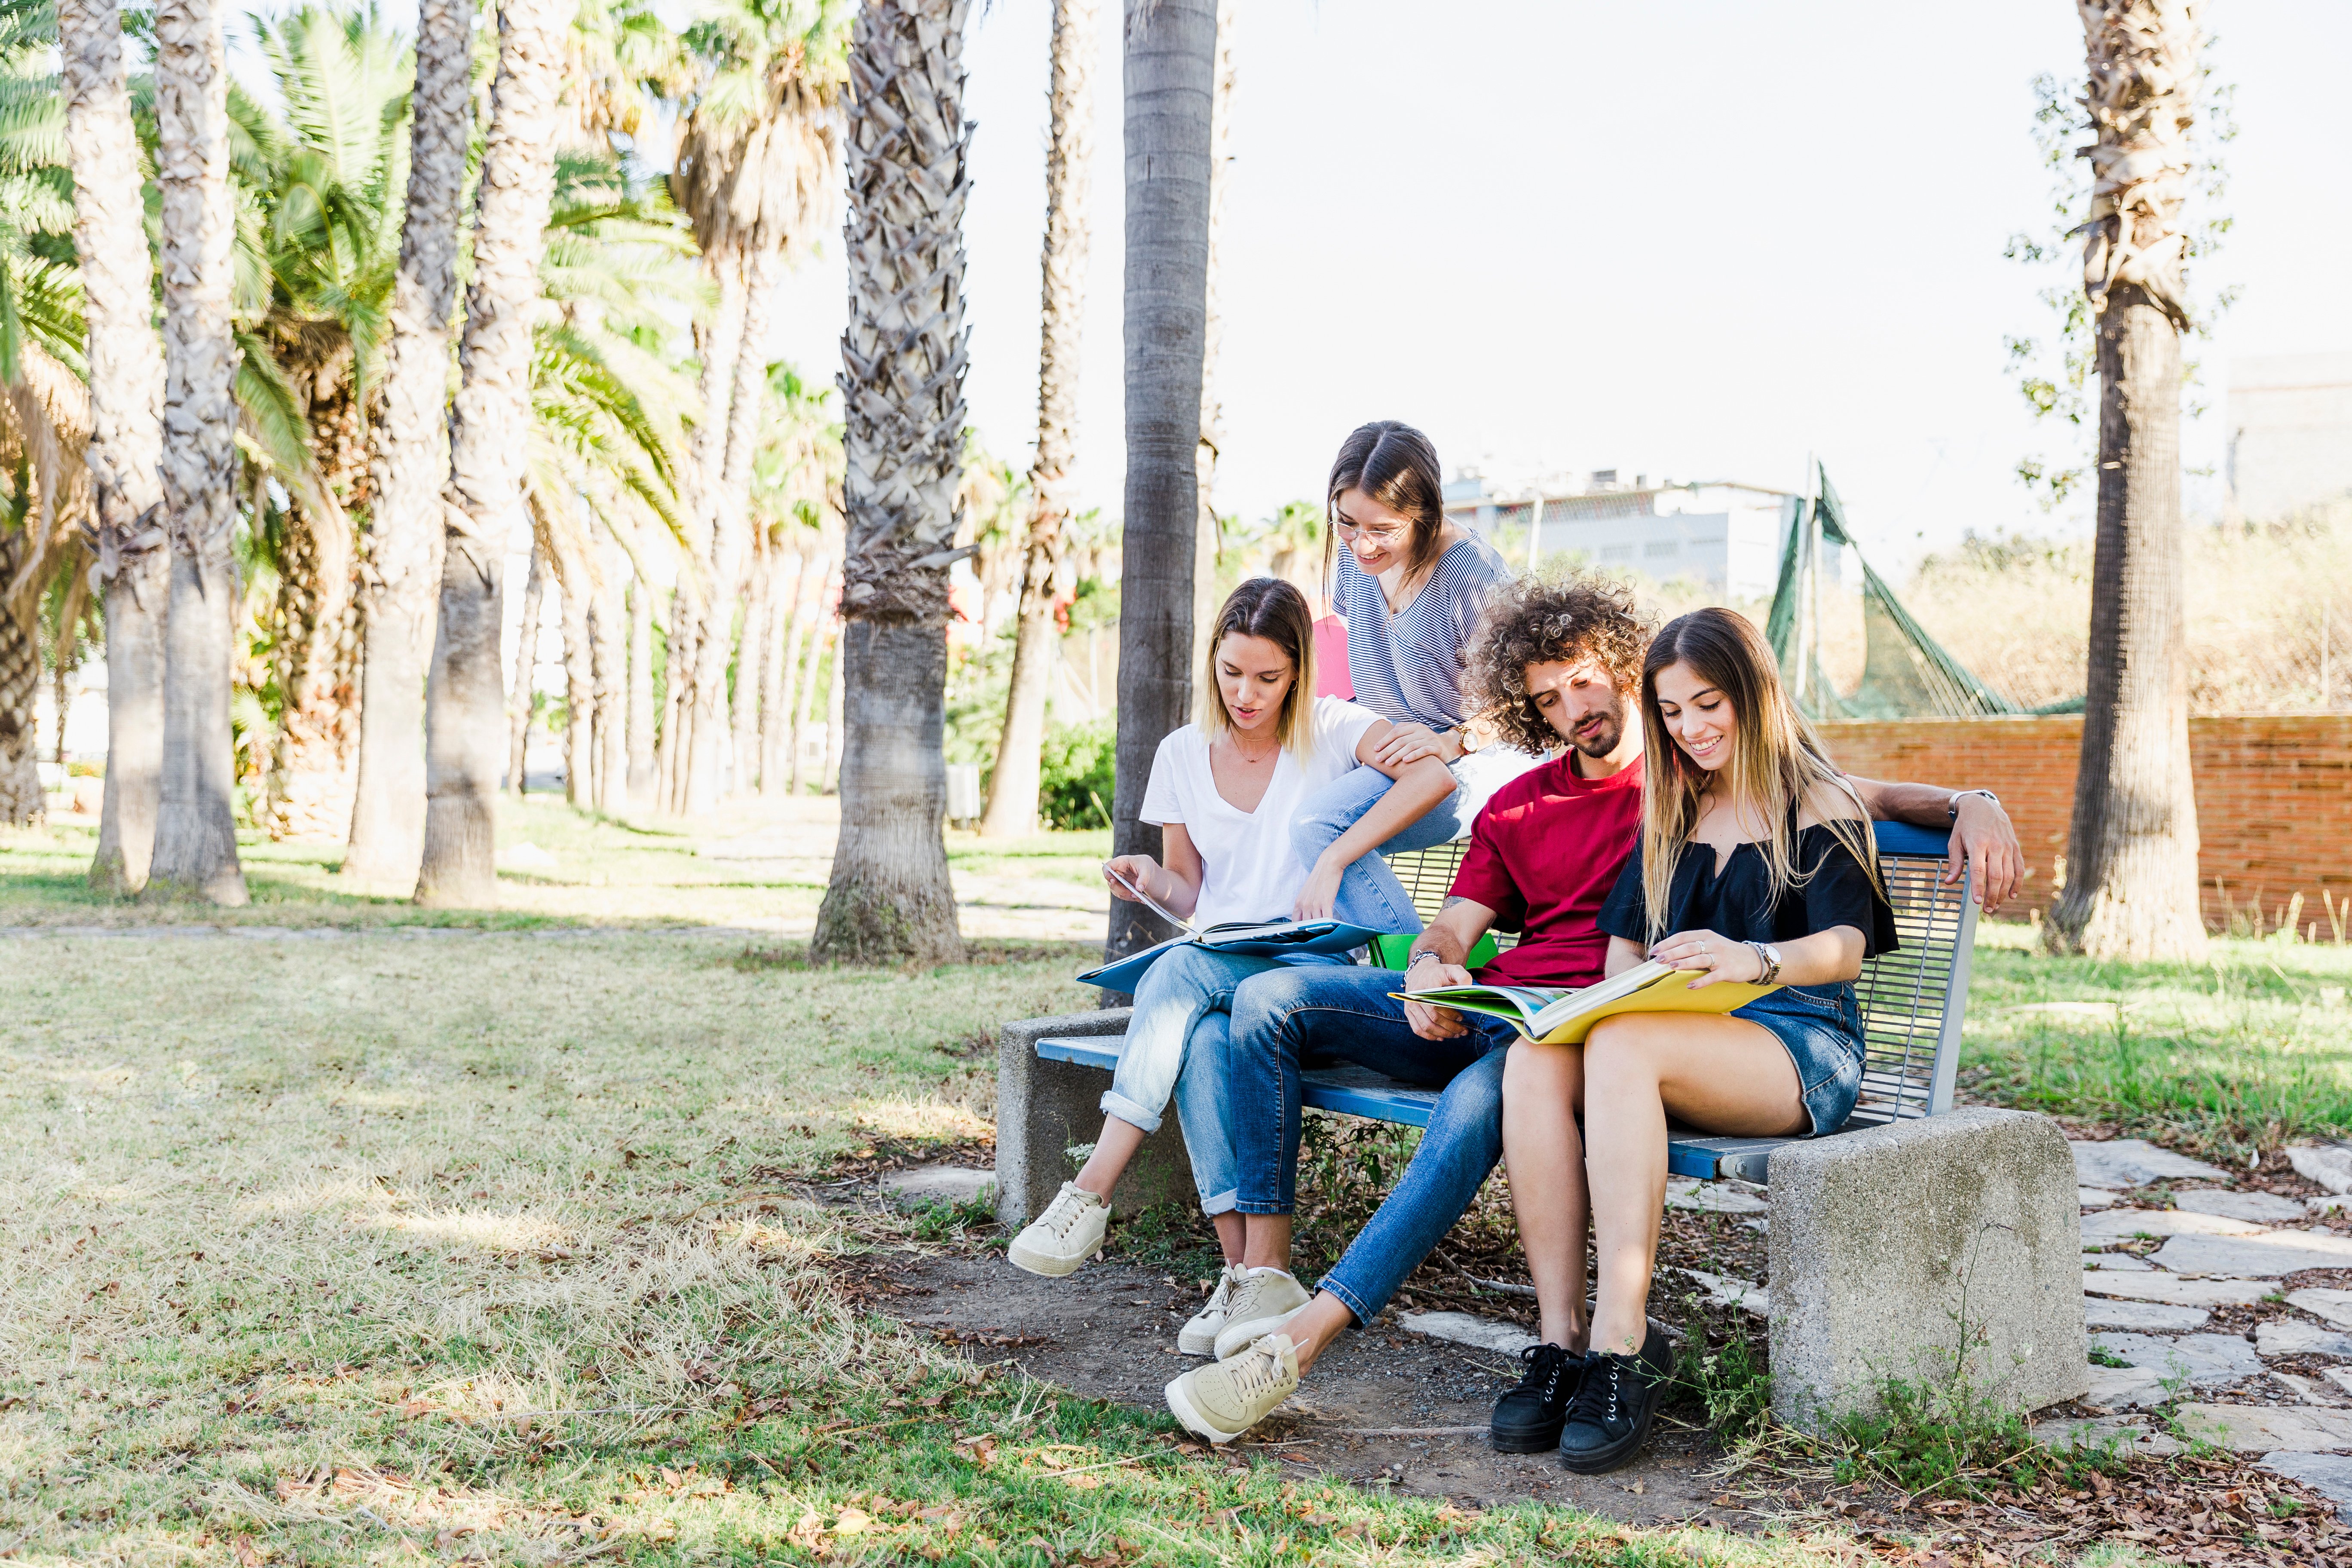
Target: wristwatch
(1416,958)
(1953,805)
(1769,957)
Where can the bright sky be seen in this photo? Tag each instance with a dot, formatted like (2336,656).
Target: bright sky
(1702,240)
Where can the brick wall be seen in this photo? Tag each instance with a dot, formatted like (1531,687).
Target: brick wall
(2274,795)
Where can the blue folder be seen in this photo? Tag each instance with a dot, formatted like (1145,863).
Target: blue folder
(1296,937)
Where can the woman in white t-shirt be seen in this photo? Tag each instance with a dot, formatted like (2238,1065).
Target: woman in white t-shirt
(1224,793)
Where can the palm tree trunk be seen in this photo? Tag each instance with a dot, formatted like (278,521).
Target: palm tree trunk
(720,340)
(526,660)
(310,779)
(404,531)
(1013,782)
(464,701)
(903,356)
(21,800)
(676,703)
(608,637)
(196,830)
(2131,865)
(643,773)
(776,680)
(750,663)
(730,538)
(1207,534)
(126,391)
(1170,83)
(559,534)
(836,727)
(813,635)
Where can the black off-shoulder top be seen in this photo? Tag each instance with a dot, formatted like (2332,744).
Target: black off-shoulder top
(1738,902)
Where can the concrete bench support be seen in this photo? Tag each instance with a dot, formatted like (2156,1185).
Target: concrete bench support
(1899,1250)
(1042,1108)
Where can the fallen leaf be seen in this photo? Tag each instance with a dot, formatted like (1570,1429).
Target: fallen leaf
(247,1553)
(853,1522)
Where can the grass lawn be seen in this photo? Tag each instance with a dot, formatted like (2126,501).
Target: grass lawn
(499,1246)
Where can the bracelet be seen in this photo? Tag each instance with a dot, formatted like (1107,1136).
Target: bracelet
(1952,806)
(1769,960)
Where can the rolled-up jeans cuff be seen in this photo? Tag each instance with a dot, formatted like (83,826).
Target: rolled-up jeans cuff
(1259,1206)
(1221,1203)
(1116,1104)
(1354,1304)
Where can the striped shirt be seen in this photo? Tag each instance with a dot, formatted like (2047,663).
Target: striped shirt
(1413,666)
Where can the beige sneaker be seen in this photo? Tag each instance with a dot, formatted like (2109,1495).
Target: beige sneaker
(1224,1399)
(1266,1300)
(1069,1231)
(1199,1337)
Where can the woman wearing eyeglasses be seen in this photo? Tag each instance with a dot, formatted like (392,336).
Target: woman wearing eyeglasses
(1412,587)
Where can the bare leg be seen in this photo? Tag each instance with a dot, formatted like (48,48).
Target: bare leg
(1229,1234)
(1269,1242)
(1724,1074)
(1113,1150)
(1542,1088)
(1319,1322)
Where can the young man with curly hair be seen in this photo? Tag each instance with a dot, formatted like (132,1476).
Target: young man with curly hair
(1558,664)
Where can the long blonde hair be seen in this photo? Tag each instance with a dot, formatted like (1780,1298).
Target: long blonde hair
(1271,608)
(1777,759)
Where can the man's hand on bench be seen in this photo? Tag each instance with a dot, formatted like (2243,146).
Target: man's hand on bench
(1984,840)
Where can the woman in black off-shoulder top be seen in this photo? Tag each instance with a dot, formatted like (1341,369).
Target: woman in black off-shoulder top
(1756,864)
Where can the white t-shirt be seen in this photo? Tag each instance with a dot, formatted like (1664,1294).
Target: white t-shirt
(1248,870)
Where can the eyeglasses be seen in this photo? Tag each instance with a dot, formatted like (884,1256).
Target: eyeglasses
(1347,530)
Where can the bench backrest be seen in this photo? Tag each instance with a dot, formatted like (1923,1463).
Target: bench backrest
(1912,998)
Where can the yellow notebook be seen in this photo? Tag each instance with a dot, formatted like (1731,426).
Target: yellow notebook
(1557,1015)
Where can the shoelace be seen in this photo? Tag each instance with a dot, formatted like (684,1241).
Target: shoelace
(1221,1300)
(1537,1356)
(1063,1214)
(1259,1371)
(1597,1401)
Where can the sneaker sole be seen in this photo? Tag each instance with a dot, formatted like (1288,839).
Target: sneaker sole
(1618,1455)
(1524,1442)
(1238,1337)
(1196,1341)
(1048,1264)
(1191,1418)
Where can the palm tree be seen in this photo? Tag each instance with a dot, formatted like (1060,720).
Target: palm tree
(889,898)
(464,700)
(412,461)
(1208,540)
(196,831)
(1069,158)
(2131,884)
(754,174)
(126,394)
(1170,83)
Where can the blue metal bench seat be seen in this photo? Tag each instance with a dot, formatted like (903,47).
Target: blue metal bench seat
(1912,1000)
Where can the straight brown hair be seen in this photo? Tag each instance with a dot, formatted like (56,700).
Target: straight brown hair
(1271,608)
(1776,758)
(1395,465)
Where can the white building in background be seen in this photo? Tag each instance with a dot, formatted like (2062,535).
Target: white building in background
(2290,433)
(1720,533)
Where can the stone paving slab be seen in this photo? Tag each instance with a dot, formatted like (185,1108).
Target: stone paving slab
(2135,1162)
(2171,1287)
(2116,1263)
(937,1183)
(1716,1197)
(2329,1164)
(2266,1429)
(2330,1475)
(2244,1257)
(2121,1224)
(2124,1434)
(2260,1207)
(2201,1358)
(1468,1329)
(2125,1388)
(2098,1312)
(2335,1306)
(2094,1197)
(2289,1336)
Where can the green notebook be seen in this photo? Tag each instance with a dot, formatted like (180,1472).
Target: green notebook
(1391,950)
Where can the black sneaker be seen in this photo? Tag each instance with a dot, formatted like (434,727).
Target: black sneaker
(1527,1419)
(1610,1419)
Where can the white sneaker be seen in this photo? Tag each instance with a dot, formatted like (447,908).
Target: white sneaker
(1199,1337)
(1223,1400)
(1069,1231)
(1264,1302)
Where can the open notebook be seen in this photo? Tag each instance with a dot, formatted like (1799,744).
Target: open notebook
(1556,1016)
(1258,939)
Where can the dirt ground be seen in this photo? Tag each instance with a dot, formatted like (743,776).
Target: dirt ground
(1384,1408)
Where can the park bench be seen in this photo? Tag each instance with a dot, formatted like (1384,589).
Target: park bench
(1913,1238)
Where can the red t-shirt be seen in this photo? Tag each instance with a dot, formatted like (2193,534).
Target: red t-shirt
(1544,856)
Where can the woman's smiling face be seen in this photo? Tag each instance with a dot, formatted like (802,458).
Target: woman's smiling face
(1697,715)
(1376,537)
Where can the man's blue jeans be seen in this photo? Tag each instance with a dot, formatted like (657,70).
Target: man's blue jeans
(1302,1017)
(1176,1045)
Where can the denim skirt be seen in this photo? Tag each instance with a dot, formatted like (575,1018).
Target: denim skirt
(1821,1028)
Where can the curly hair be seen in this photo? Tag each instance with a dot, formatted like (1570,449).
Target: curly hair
(1544,621)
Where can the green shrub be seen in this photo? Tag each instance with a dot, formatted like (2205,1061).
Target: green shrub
(1077,770)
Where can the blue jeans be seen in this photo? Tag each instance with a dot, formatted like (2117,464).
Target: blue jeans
(1282,1022)
(1176,1045)
(1338,805)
